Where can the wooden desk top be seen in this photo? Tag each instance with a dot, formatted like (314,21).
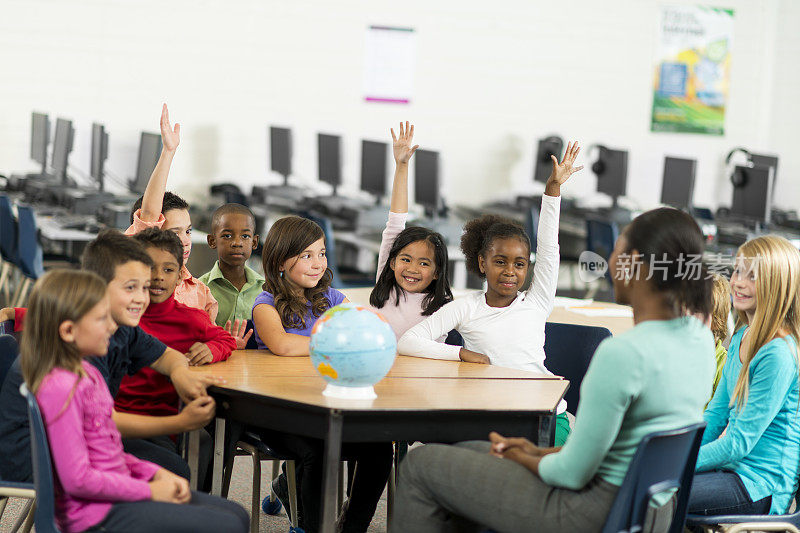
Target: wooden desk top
(264,364)
(562,315)
(410,394)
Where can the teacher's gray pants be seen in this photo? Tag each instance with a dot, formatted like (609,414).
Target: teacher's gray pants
(462,488)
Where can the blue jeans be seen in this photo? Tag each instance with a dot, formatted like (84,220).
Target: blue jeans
(723,493)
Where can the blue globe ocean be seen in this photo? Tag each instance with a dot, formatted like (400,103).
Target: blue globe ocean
(352,346)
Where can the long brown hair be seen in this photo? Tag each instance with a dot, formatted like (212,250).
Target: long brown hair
(287,238)
(721,308)
(775,263)
(59,295)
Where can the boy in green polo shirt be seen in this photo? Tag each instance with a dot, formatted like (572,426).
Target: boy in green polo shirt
(231,281)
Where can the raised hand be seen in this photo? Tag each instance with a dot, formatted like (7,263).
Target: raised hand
(401,145)
(170,137)
(237,331)
(563,170)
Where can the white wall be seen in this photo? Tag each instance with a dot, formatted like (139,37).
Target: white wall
(491,79)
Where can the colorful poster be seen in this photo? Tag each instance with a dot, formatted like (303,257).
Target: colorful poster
(389,64)
(693,69)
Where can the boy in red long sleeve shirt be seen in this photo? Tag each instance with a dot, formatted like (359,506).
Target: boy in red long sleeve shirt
(186,329)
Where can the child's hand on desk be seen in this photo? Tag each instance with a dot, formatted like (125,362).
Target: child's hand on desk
(401,146)
(237,332)
(199,354)
(167,487)
(6,313)
(197,413)
(190,385)
(562,171)
(473,357)
(170,137)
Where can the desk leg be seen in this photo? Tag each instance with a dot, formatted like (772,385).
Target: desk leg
(194,457)
(333,448)
(219,457)
(547,431)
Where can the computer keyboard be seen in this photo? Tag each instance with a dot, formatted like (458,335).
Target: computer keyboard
(68,221)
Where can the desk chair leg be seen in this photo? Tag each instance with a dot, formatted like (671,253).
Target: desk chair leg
(5,281)
(292,483)
(333,450)
(227,471)
(255,501)
(21,292)
(194,458)
(219,457)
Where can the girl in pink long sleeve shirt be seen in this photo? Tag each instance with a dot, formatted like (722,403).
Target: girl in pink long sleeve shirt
(97,485)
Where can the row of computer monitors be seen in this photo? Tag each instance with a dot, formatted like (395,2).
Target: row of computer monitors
(751,198)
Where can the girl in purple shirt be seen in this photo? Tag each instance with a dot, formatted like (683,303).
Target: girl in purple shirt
(97,485)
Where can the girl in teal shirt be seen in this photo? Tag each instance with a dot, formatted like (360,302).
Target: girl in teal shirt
(752,468)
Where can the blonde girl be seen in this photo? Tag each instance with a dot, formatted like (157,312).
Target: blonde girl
(97,485)
(752,468)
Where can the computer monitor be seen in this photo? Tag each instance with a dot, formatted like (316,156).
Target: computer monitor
(543,165)
(280,151)
(766,161)
(677,185)
(62,146)
(329,159)
(40,138)
(426,181)
(611,169)
(99,154)
(752,200)
(149,152)
(373,168)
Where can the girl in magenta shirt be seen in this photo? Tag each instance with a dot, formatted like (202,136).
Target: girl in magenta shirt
(97,485)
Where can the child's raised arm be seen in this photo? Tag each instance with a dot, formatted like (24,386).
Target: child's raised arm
(402,149)
(157,185)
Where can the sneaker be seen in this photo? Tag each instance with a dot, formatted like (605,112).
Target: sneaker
(280,489)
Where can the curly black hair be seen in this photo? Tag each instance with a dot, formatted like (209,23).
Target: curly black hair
(479,233)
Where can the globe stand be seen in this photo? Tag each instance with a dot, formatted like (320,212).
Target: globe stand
(349,393)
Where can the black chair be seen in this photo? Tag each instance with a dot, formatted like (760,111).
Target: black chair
(45,519)
(601,235)
(569,349)
(664,460)
(343,278)
(772,522)
(251,342)
(8,245)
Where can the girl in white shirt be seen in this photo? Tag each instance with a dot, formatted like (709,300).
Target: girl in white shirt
(412,280)
(503,326)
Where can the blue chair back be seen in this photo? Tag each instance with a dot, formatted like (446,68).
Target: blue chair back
(569,349)
(30,251)
(9,350)
(601,235)
(251,342)
(8,231)
(44,520)
(330,244)
(663,461)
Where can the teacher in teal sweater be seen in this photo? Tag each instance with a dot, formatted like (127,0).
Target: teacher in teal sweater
(656,376)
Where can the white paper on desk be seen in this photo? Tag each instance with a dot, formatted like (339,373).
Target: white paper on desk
(561,301)
(603,311)
(389,64)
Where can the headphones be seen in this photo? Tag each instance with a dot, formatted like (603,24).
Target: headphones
(738,179)
(599,166)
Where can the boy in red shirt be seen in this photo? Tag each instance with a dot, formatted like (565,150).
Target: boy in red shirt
(186,329)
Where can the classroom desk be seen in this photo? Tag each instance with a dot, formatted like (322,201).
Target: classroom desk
(277,393)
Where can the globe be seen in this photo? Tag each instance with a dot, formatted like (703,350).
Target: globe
(352,348)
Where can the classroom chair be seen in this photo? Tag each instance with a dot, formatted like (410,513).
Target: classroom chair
(601,236)
(250,444)
(569,349)
(8,245)
(343,278)
(251,342)
(44,517)
(664,460)
(736,523)
(10,489)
